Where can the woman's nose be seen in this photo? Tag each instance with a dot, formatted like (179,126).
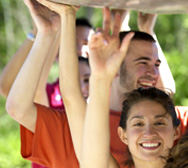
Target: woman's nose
(149,132)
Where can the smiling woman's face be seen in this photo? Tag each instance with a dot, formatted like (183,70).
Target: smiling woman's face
(150,132)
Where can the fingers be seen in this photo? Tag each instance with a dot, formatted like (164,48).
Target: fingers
(117,25)
(147,15)
(140,14)
(125,44)
(103,36)
(122,12)
(146,22)
(33,6)
(50,5)
(97,40)
(106,20)
(58,7)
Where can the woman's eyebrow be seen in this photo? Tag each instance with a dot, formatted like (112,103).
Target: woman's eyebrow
(161,116)
(142,117)
(137,117)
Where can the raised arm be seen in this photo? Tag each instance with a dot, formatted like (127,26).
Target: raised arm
(20,102)
(41,96)
(12,68)
(73,99)
(14,65)
(146,23)
(105,59)
(125,15)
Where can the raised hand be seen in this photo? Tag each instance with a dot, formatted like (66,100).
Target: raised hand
(59,8)
(124,18)
(146,22)
(45,20)
(106,53)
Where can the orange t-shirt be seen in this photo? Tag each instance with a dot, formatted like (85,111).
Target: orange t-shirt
(52,146)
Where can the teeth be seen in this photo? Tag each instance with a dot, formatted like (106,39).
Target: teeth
(150,145)
(146,84)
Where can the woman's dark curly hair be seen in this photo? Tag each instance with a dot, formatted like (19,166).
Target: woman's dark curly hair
(178,157)
(139,95)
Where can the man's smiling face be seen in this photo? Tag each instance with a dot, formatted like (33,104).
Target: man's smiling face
(141,66)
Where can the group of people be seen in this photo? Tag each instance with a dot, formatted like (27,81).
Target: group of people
(111,112)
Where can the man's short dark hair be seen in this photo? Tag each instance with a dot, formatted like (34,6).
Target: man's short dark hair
(137,36)
(83,59)
(83,22)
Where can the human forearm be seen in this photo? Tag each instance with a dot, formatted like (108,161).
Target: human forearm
(41,94)
(20,102)
(69,79)
(12,68)
(96,129)
(69,59)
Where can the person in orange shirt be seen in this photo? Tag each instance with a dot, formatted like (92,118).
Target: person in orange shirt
(49,93)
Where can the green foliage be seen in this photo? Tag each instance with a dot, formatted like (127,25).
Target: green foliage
(172,32)
(178,67)
(15,23)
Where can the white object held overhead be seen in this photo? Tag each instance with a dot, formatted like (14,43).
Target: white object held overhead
(147,6)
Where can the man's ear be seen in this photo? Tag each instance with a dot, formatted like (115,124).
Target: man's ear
(122,135)
(177,132)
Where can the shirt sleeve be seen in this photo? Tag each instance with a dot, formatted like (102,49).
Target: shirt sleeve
(51,144)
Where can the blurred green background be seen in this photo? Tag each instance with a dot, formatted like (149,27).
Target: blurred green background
(15,23)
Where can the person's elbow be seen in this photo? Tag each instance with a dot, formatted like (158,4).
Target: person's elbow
(13,108)
(3,89)
(10,107)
